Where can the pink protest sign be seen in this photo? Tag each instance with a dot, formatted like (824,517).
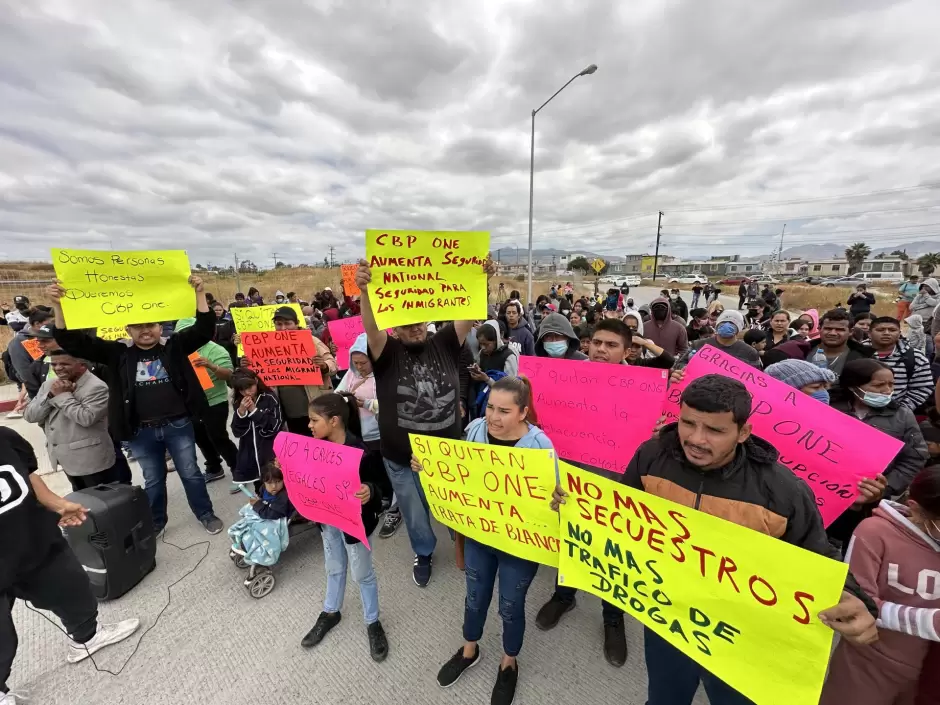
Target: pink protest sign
(344,332)
(321,479)
(595,413)
(827,449)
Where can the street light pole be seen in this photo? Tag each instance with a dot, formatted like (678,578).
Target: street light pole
(586,72)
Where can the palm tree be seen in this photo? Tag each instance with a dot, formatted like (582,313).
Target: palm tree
(927,262)
(856,255)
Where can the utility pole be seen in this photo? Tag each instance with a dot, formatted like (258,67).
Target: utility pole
(780,251)
(238,281)
(659,227)
(332,264)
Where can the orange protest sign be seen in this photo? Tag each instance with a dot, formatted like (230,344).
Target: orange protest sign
(202,374)
(349,279)
(283,356)
(31,345)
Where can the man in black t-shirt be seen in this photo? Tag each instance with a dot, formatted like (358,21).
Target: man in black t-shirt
(418,389)
(36,564)
(154,395)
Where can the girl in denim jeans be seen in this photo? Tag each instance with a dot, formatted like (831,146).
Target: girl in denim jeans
(335,418)
(510,421)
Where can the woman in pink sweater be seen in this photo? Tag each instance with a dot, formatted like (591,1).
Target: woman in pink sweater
(895,555)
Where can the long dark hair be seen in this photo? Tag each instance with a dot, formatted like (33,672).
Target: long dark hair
(521,390)
(860,372)
(241,380)
(341,404)
(925,490)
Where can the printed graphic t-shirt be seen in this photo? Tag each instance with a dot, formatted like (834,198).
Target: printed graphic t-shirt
(417,393)
(29,530)
(154,393)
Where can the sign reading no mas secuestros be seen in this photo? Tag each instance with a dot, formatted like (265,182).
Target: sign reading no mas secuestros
(118,288)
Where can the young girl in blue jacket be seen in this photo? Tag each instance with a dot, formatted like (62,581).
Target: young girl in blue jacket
(510,421)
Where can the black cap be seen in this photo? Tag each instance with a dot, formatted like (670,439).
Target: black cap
(20,300)
(43,332)
(287,313)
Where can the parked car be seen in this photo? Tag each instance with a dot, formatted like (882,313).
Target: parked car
(690,279)
(764,279)
(813,281)
(846,281)
(734,280)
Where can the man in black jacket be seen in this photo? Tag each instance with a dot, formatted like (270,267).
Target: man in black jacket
(154,396)
(710,461)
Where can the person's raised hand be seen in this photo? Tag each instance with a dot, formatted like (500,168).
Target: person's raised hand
(196,283)
(201,362)
(364,493)
(363,275)
(851,619)
(558,497)
(676,376)
(55,291)
(660,422)
(60,386)
(416,464)
(489,266)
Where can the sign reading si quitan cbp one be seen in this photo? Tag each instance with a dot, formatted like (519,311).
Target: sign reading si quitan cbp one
(742,604)
(118,288)
(420,275)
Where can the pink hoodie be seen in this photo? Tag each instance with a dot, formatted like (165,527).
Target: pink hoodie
(899,566)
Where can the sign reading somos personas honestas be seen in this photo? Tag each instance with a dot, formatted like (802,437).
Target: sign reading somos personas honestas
(120,288)
(828,450)
(495,495)
(741,603)
(420,276)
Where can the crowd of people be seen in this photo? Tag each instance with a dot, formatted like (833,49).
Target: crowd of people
(100,402)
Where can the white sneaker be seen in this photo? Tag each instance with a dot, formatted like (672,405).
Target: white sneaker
(107,634)
(12,698)
(13,415)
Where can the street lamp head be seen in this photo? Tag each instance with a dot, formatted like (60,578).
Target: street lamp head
(589,70)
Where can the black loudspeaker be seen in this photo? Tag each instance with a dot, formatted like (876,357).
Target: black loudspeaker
(116,543)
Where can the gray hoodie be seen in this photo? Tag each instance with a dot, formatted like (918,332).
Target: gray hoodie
(926,301)
(557,323)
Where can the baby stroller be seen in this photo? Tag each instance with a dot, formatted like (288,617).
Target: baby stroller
(257,545)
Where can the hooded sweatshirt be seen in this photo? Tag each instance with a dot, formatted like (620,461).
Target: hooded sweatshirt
(477,432)
(504,358)
(897,564)
(216,354)
(669,334)
(364,390)
(927,298)
(635,315)
(916,338)
(557,323)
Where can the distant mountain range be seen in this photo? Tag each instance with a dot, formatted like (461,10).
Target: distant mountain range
(913,250)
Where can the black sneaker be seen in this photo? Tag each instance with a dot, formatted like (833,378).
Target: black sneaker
(422,571)
(378,643)
(551,612)
(615,644)
(325,622)
(213,524)
(504,692)
(452,670)
(392,522)
(213,475)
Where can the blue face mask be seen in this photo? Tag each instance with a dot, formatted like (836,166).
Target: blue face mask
(821,395)
(726,330)
(875,400)
(556,348)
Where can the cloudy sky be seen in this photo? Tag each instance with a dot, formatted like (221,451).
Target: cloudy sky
(287,126)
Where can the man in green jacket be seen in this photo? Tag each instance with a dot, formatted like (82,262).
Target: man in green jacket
(211,430)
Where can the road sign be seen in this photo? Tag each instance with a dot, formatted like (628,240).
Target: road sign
(598,264)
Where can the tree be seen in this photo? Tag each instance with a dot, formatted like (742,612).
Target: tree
(856,255)
(927,262)
(326,262)
(279,265)
(580,264)
(901,254)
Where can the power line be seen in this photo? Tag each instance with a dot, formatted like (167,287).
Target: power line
(818,232)
(817,216)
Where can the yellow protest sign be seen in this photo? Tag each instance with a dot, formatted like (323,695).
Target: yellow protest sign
(740,603)
(117,288)
(420,275)
(257,319)
(112,332)
(496,495)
